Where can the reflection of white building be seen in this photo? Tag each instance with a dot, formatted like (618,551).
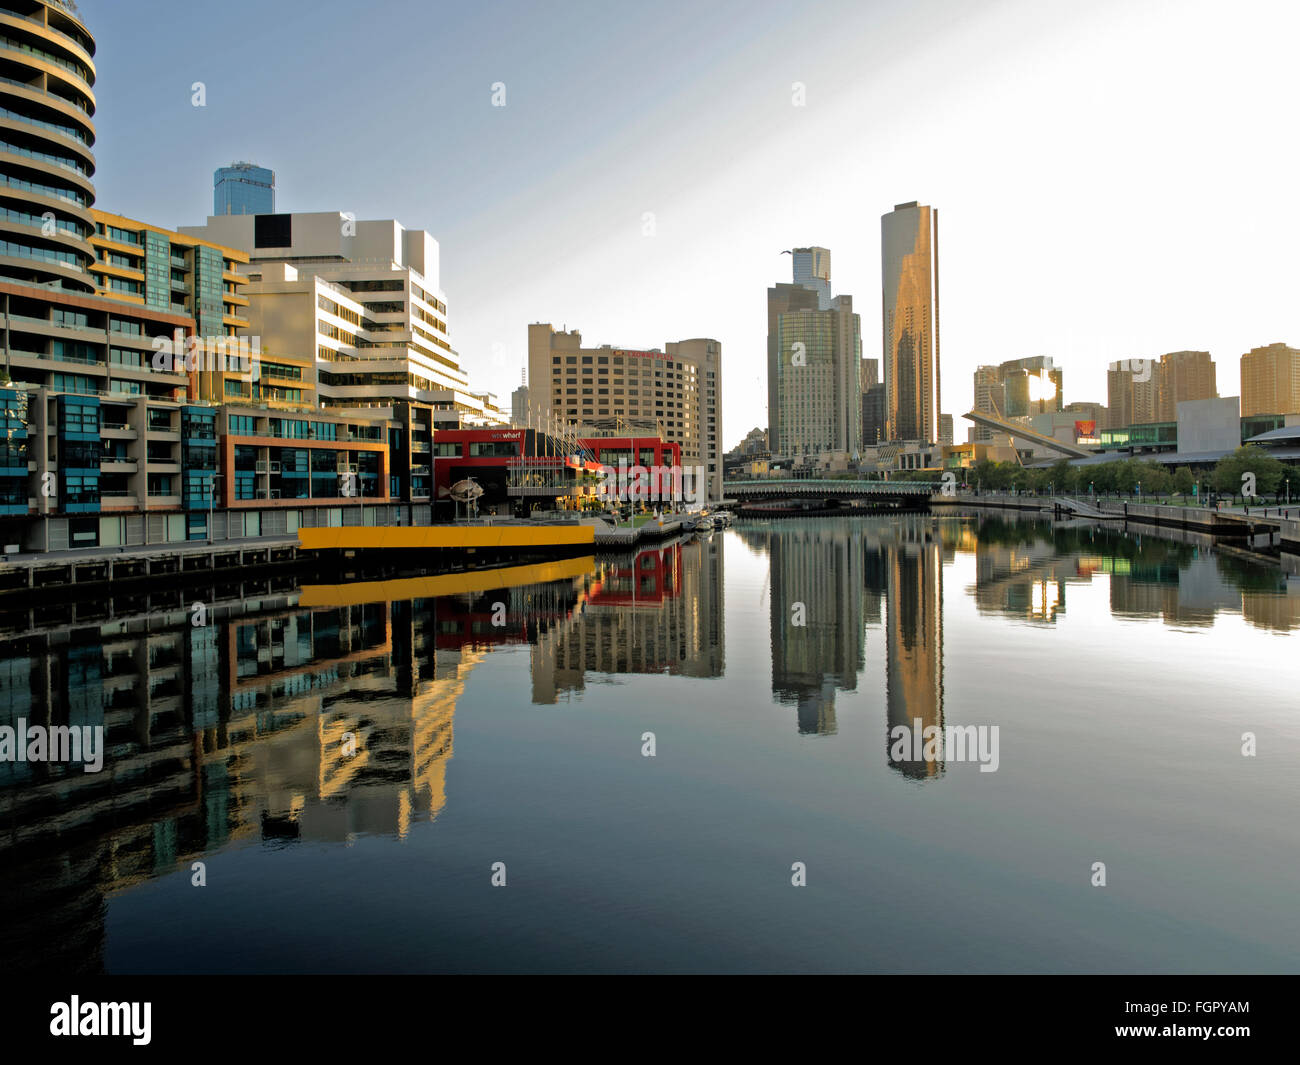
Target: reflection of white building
(818,636)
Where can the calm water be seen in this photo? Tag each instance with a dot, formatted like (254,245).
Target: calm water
(501,719)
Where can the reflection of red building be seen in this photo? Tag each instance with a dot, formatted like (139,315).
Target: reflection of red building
(487,455)
(653,578)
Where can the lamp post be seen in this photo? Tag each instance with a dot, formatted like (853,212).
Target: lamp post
(212,494)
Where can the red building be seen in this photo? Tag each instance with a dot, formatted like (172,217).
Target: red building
(543,469)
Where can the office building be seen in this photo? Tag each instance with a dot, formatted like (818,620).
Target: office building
(873,416)
(520,411)
(817,353)
(46,163)
(812,270)
(909,264)
(243,188)
(1270,381)
(1018,388)
(781,299)
(869,374)
(677,390)
(361,302)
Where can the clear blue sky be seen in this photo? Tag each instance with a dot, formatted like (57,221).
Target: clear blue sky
(1115,179)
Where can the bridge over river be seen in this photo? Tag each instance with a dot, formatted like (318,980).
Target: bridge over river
(829,494)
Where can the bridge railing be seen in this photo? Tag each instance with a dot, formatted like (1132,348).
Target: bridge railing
(832,485)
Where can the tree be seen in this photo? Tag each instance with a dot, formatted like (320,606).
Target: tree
(1234,472)
(1184,482)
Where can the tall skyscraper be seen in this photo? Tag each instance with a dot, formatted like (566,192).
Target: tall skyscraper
(1270,381)
(812,269)
(243,188)
(909,265)
(814,362)
(781,299)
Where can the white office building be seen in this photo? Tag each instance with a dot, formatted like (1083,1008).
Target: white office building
(364,298)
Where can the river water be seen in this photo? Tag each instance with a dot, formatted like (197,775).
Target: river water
(686,759)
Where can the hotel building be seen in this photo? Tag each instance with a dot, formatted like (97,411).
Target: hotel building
(588,390)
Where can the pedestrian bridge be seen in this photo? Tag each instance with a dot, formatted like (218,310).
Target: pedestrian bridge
(813,488)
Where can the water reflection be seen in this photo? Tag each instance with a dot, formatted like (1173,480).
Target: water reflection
(332,718)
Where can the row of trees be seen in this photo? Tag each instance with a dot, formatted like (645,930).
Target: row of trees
(1249,469)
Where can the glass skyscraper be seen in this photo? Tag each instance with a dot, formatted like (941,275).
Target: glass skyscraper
(243,188)
(909,254)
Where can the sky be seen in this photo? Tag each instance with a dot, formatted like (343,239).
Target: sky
(1115,179)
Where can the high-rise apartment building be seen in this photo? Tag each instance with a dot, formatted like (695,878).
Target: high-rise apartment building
(361,302)
(815,362)
(1182,376)
(909,265)
(679,388)
(243,188)
(1143,391)
(1270,381)
(106,445)
(155,267)
(46,164)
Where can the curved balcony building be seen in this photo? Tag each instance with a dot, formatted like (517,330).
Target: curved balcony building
(47,103)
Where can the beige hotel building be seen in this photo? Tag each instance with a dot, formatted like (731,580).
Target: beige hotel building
(593,390)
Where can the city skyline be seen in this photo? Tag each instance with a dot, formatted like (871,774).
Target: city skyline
(573,206)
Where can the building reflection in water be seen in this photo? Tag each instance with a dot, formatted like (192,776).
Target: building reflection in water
(330,715)
(659,611)
(913,636)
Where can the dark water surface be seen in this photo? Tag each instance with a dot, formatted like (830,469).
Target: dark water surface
(350,768)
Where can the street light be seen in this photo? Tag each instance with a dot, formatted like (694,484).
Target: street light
(212,493)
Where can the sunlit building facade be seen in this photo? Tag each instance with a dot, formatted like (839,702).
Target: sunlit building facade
(909,264)
(1270,381)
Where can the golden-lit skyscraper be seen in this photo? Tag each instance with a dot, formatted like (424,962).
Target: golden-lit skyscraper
(909,270)
(1270,381)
